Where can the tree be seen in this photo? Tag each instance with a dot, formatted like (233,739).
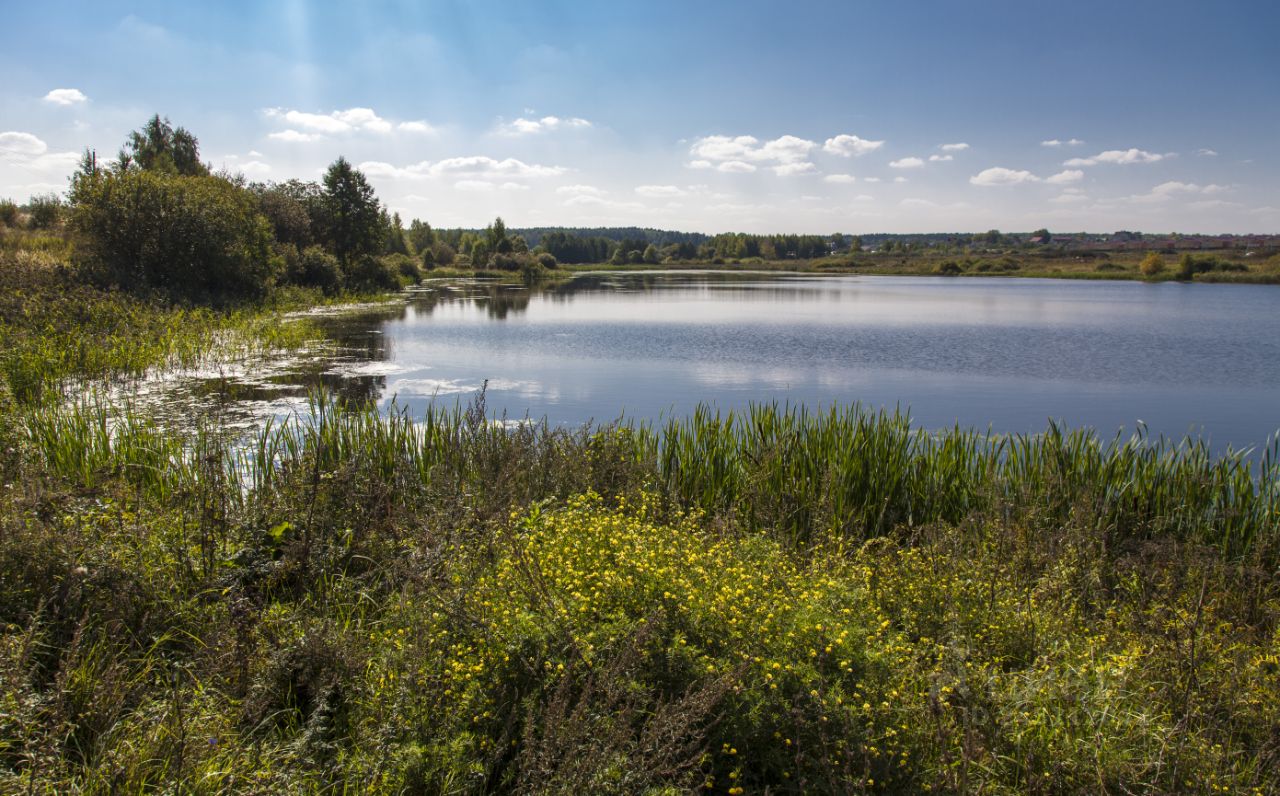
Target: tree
(650,254)
(395,242)
(353,226)
(158,146)
(1152,265)
(198,238)
(421,236)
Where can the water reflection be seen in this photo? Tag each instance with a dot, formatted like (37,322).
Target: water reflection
(1003,353)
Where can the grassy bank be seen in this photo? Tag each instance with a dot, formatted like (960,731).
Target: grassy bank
(768,601)
(1025,264)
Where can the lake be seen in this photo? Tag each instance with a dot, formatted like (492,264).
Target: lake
(1005,353)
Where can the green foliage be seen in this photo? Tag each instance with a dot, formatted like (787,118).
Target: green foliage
(8,213)
(353,225)
(198,238)
(315,267)
(1152,265)
(45,211)
(161,148)
(1190,265)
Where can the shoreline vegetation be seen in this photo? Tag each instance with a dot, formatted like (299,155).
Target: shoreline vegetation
(765,601)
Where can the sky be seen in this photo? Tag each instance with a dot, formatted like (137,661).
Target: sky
(798,116)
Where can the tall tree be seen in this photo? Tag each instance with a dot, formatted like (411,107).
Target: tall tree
(354,225)
(158,146)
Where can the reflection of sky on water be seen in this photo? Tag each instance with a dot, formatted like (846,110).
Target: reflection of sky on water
(1004,353)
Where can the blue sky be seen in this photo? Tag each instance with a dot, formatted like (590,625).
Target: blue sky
(754,116)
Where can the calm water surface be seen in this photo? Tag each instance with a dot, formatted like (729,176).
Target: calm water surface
(1005,353)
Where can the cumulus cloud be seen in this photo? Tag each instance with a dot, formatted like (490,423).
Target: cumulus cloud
(960,147)
(871,179)
(700,164)
(660,191)
(481,186)
(580,190)
(65,97)
(1053,142)
(16,144)
(546,124)
(1166,191)
(735,167)
(840,179)
(794,169)
(339,122)
(1065,177)
(294,136)
(998,175)
(1206,153)
(940,158)
(850,146)
(473,167)
(899,179)
(920,203)
(749,149)
(417,126)
(1069,196)
(1122,157)
(906,163)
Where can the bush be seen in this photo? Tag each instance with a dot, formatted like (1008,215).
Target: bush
(949,268)
(547,260)
(505,262)
(315,267)
(370,274)
(404,265)
(8,213)
(1152,265)
(188,237)
(531,271)
(44,212)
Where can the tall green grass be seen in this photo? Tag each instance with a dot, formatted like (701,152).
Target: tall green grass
(848,473)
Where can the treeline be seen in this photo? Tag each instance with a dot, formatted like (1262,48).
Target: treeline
(157,220)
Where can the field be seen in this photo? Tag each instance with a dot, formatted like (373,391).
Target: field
(773,601)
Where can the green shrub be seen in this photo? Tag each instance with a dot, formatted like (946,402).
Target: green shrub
(1152,265)
(315,267)
(950,268)
(44,212)
(188,237)
(371,274)
(547,260)
(8,213)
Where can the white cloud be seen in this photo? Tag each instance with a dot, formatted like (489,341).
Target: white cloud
(1121,157)
(660,191)
(1053,142)
(921,203)
(1168,190)
(700,164)
(850,146)
(940,158)
(899,179)
(794,169)
(475,166)
(480,186)
(1069,197)
(16,144)
(1206,153)
(65,96)
(417,126)
(746,149)
(736,167)
(871,179)
(294,136)
(906,163)
(999,175)
(954,147)
(840,179)
(579,190)
(544,125)
(1065,177)
(338,122)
